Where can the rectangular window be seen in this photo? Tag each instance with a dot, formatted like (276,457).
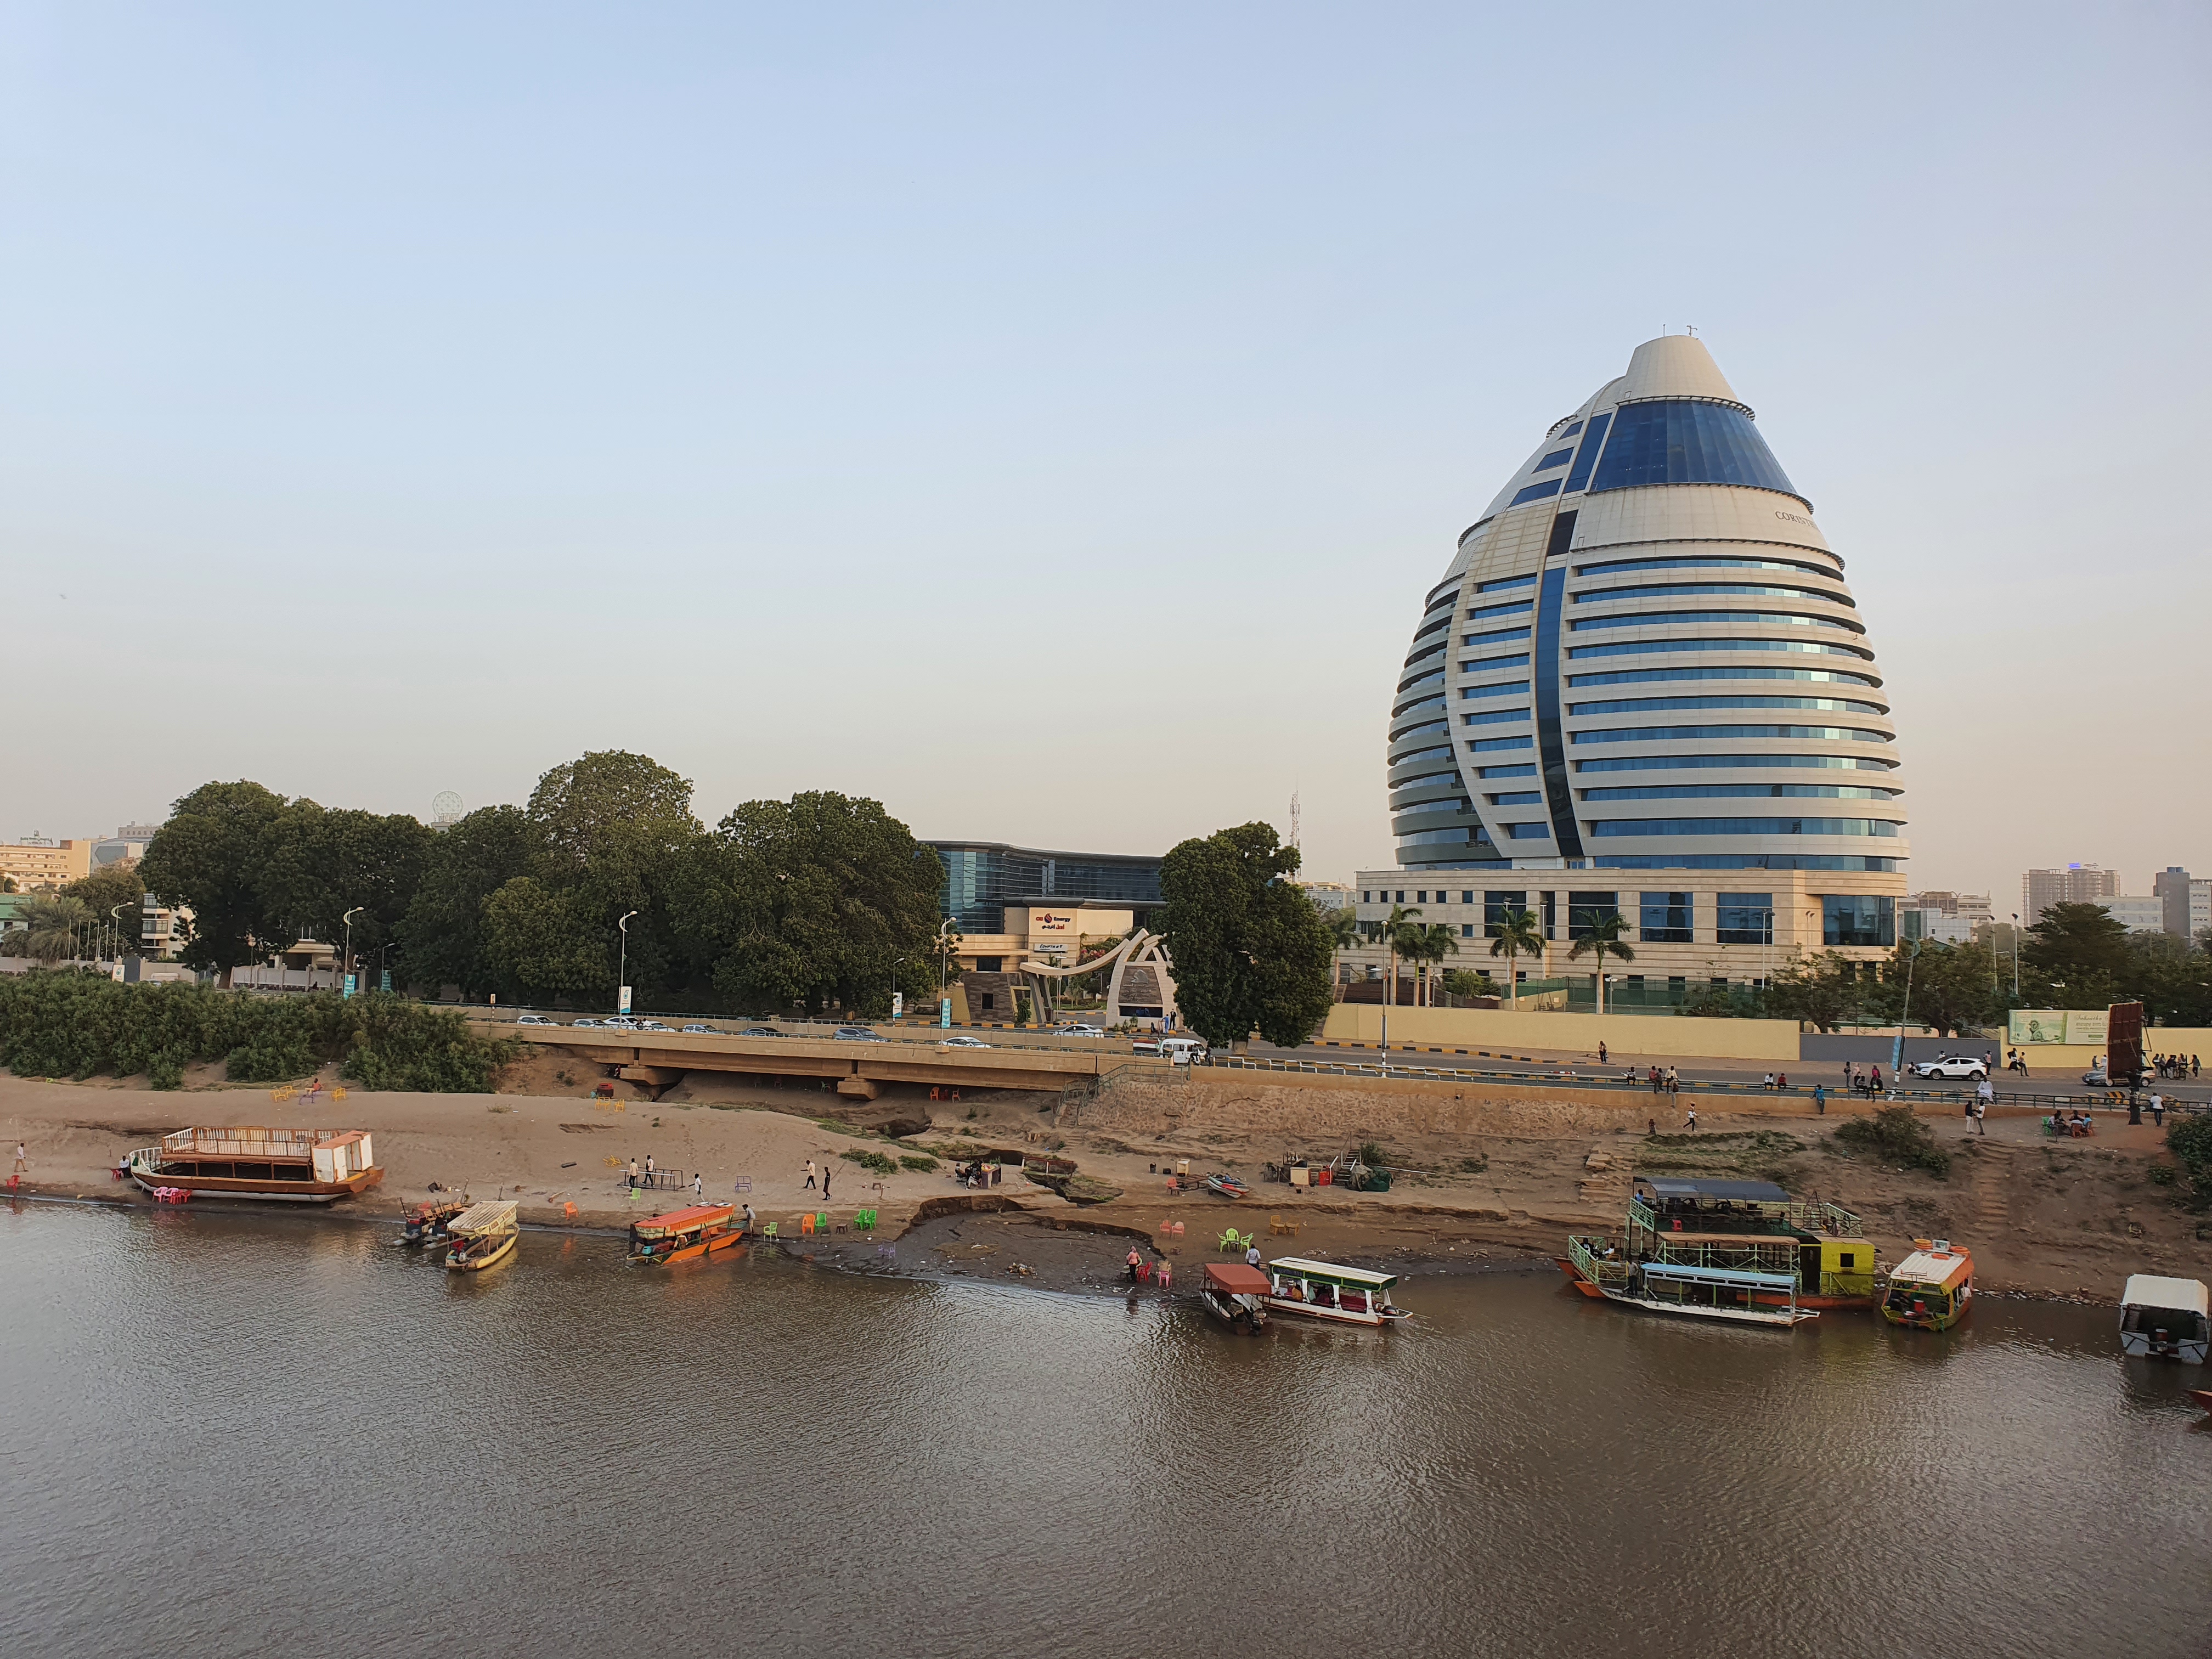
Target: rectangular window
(1535,492)
(1492,745)
(1497,636)
(1400,899)
(1572,430)
(1422,896)
(1665,919)
(1518,798)
(990,964)
(1522,771)
(1365,896)
(1857,918)
(1481,665)
(1586,911)
(1496,717)
(1510,608)
(1578,474)
(1506,581)
(1495,904)
(1466,930)
(1557,458)
(1502,689)
(1466,898)
(1529,831)
(1745,919)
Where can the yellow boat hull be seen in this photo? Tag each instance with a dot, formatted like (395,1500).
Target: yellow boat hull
(476,1264)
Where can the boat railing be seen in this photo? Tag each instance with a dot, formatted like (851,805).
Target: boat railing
(247,1142)
(1794,1217)
(1595,1265)
(1765,1253)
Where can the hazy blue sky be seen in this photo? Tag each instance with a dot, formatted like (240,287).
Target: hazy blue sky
(1050,423)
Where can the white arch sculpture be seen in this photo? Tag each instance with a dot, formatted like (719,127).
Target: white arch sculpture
(1139,949)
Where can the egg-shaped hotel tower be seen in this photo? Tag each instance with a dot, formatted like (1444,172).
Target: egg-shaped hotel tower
(1643,687)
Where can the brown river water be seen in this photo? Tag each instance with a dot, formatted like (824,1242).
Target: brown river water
(248,1435)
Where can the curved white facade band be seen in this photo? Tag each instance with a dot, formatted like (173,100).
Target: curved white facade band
(1645,657)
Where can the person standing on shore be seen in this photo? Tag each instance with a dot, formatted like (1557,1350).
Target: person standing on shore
(750,1224)
(632,1174)
(698,1187)
(1134,1260)
(648,1169)
(810,1175)
(825,1183)
(1820,1100)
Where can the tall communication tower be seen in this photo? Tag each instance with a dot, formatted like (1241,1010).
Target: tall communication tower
(1294,817)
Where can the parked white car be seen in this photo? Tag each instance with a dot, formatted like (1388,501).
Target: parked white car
(585,1024)
(1951,1065)
(697,1029)
(962,1041)
(536,1019)
(1077,1028)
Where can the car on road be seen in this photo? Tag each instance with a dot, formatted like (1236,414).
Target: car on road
(1951,1065)
(1077,1028)
(760,1030)
(962,1042)
(695,1028)
(2097,1078)
(619,1023)
(585,1024)
(1182,1050)
(858,1034)
(536,1019)
(651,1025)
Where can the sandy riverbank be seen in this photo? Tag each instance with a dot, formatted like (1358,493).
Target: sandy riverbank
(1488,1176)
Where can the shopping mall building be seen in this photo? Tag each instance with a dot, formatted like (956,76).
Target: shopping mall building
(1642,687)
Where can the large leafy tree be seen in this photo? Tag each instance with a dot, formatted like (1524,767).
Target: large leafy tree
(2076,957)
(323,863)
(1250,951)
(611,805)
(1953,987)
(1824,991)
(547,939)
(209,858)
(811,899)
(443,936)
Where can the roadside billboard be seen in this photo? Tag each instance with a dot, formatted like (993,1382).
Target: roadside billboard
(2086,1027)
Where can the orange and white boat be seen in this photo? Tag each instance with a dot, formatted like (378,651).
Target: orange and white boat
(686,1235)
(287,1166)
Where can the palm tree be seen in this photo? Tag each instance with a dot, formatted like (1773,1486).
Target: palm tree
(1518,935)
(51,926)
(1344,934)
(1436,941)
(1399,932)
(1601,938)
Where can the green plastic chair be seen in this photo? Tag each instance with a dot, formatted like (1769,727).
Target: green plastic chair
(767,1230)
(822,1222)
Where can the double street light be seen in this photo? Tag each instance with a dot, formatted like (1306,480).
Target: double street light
(347,920)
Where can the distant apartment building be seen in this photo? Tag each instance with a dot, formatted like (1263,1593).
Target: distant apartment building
(1944,917)
(162,929)
(2077,883)
(128,843)
(38,861)
(1329,896)
(2139,912)
(2185,902)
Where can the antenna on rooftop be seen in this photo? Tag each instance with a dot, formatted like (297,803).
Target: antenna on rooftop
(1691,329)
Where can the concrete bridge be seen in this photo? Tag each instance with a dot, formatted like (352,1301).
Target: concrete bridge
(859,1069)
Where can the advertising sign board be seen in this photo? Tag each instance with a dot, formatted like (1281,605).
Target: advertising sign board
(2086,1027)
(625,1002)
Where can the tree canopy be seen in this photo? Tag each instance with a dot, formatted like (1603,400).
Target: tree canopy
(1250,951)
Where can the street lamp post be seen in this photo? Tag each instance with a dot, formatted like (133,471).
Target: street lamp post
(896,963)
(2016,958)
(115,920)
(621,974)
(946,931)
(347,920)
(1897,1054)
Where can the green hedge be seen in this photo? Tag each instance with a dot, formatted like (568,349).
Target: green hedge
(80,1024)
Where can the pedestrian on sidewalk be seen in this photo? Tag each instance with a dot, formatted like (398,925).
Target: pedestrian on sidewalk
(810,1175)
(1603,1058)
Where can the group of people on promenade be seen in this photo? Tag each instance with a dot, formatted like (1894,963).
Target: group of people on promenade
(2175,1068)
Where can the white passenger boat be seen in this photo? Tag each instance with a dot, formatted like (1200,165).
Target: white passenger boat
(2165,1318)
(1322,1290)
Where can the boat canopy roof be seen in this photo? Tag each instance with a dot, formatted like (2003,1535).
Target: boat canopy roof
(1236,1279)
(1298,1266)
(682,1220)
(1694,1188)
(1932,1267)
(2149,1291)
(492,1216)
(1721,1276)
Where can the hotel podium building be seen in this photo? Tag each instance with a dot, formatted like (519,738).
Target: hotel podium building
(1642,687)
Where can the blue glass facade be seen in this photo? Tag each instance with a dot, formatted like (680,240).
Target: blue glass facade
(983,878)
(1687,442)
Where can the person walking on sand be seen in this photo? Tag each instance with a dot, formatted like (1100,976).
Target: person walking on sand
(1251,1255)
(810,1175)
(632,1174)
(1692,1121)
(698,1186)
(825,1183)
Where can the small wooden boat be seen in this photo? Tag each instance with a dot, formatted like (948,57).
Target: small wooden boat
(1931,1289)
(426,1223)
(2165,1318)
(1227,1186)
(483,1235)
(1235,1293)
(686,1235)
(1322,1290)
(288,1166)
